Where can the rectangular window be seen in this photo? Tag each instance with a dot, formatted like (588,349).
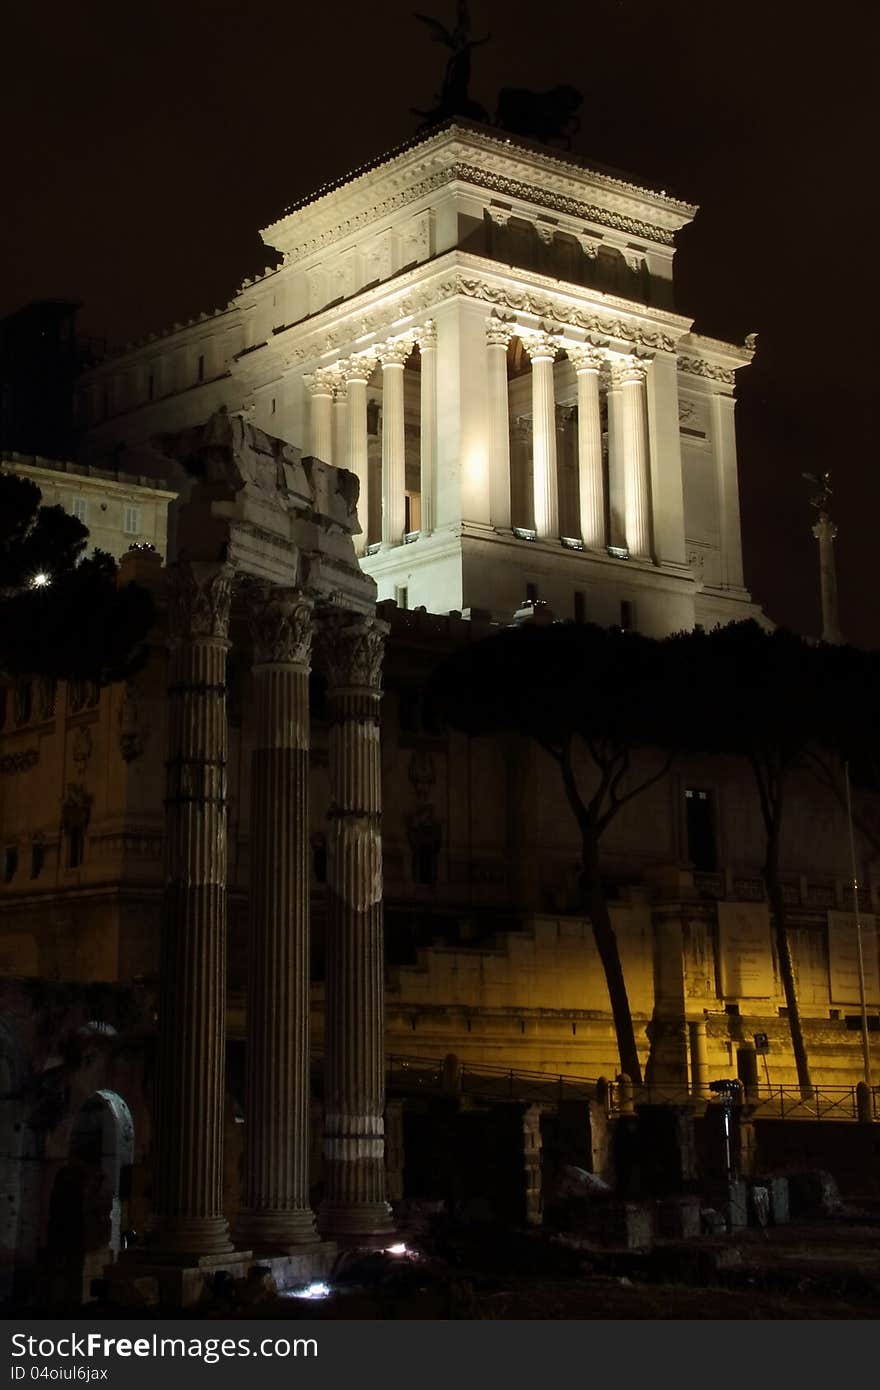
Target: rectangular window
(700,829)
(131,521)
(627,615)
(531,593)
(412,519)
(580,607)
(81,509)
(201,368)
(401,595)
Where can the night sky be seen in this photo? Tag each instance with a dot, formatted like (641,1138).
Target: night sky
(145,145)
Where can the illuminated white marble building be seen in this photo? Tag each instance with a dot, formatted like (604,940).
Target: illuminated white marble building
(482,331)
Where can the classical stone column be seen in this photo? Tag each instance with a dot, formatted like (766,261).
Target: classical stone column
(426,336)
(825,532)
(393,356)
(192,1010)
(498,335)
(699,1057)
(340,423)
(354,1084)
(320,387)
(542,353)
(276,1213)
(630,377)
(357,373)
(587,362)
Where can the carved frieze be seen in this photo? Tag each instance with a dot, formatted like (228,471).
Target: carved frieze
(696,366)
(488,180)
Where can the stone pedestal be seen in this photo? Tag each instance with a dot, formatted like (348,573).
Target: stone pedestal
(276,1214)
(189,1224)
(355,1206)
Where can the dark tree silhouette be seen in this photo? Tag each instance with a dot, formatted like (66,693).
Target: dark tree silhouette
(778,702)
(590,698)
(61,615)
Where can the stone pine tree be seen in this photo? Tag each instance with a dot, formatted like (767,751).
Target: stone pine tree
(590,698)
(62,614)
(767,697)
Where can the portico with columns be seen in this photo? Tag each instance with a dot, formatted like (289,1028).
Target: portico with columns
(483,332)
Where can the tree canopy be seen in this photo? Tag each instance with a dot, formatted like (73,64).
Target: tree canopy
(62,614)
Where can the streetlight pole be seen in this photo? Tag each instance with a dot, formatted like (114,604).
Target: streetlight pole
(866,1045)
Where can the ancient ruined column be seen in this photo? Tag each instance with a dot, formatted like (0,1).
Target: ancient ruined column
(587,362)
(427,340)
(320,387)
(354,1084)
(825,532)
(393,356)
(630,376)
(192,1008)
(498,335)
(276,1213)
(357,373)
(542,352)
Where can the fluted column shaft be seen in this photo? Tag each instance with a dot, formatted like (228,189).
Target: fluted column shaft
(276,1213)
(427,336)
(634,422)
(498,335)
(393,358)
(340,425)
(357,376)
(542,352)
(354,1085)
(321,418)
(192,1008)
(591,482)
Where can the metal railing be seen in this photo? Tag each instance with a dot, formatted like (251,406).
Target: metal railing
(763,1102)
(483,1081)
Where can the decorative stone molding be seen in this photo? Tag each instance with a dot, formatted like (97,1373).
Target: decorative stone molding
(589,244)
(19,762)
(199,600)
(281,626)
(491,182)
(634,260)
(531,302)
(696,366)
(545,233)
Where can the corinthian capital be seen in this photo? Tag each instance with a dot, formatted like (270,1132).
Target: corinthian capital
(323,381)
(499,331)
(628,371)
(280,621)
(351,652)
(199,599)
(359,368)
(541,347)
(395,352)
(586,358)
(426,335)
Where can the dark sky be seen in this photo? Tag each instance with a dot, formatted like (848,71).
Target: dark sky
(145,145)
